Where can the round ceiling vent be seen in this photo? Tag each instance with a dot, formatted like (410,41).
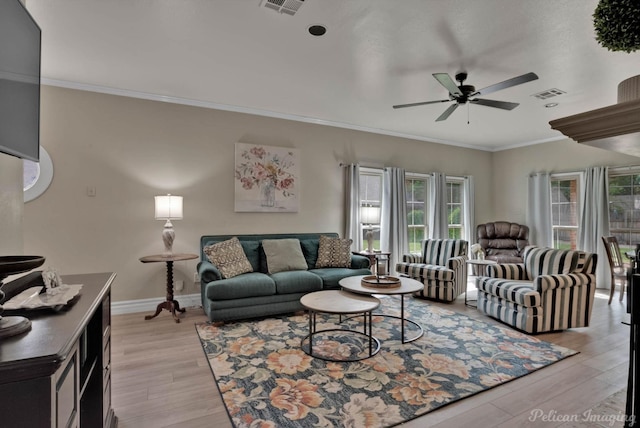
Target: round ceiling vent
(317,30)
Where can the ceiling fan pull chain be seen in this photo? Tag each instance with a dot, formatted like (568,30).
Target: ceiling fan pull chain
(468,113)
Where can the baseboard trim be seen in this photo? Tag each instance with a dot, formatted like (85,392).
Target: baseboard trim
(150,305)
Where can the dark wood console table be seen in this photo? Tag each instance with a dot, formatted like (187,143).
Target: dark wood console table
(170,303)
(58,374)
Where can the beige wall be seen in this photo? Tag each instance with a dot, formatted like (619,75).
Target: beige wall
(511,170)
(131,150)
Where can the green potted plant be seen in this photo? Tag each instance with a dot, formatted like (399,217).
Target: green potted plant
(617,24)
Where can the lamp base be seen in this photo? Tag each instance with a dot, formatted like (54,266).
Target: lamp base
(369,236)
(168,236)
(11,326)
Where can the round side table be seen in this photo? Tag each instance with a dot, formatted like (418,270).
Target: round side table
(482,271)
(170,303)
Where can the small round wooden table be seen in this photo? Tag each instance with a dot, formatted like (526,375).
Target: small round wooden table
(170,304)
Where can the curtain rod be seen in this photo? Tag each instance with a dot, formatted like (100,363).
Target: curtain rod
(410,173)
(613,169)
(624,168)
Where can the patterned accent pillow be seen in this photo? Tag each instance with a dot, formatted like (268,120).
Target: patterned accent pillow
(228,257)
(334,252)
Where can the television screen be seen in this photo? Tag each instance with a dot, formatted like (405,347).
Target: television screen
(19,82)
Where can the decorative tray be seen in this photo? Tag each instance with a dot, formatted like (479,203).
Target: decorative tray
(32,299)
(381,281)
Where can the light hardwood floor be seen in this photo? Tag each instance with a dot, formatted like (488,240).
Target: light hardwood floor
(160,377)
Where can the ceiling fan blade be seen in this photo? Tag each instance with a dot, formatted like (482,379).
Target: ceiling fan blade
(420,104)
(504,105)
(506,84)
(446,81)
(447,112)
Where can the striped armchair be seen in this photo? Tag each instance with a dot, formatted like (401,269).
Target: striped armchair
(551,290)
(442,268)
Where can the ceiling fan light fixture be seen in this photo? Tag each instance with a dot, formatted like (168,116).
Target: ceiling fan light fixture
(463,94)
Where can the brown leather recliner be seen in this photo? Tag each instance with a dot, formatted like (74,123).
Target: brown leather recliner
(503,241)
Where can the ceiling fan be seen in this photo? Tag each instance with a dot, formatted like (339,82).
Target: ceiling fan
(462,93)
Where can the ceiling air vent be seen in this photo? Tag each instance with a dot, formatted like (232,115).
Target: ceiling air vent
(290,7)
(549,93)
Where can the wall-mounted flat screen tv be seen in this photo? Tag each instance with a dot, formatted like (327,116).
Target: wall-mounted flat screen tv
(19,81)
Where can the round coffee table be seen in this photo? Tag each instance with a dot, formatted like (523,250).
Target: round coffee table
(407,286)
(341,303)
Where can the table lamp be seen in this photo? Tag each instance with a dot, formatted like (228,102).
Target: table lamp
(168,208)
(370,216)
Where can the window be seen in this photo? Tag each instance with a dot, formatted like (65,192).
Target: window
(455,208)
(624,209)
(564,211)
(417,219)
(370,196)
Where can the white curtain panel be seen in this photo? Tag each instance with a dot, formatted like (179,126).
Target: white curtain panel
(469,210)
(594,220)
(539,210)
(438,221)
(352,205)
(393,221)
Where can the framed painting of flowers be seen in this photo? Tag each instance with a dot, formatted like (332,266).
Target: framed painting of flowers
(267,178)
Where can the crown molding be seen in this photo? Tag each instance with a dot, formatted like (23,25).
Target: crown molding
(615,128)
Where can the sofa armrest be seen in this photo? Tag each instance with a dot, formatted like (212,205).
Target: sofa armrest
(455,262)
(412,258)
(208,272)
(548,282)
(423,272)
(359,262)
(513,271)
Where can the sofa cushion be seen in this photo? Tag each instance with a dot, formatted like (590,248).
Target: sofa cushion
(310,251)
(438,251)
(549,261)
(298,281)
(229,257)
(332,276)
(251,250)
(283,255)
(334,252)
(239,287)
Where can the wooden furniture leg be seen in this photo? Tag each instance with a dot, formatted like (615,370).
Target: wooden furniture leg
(170,304)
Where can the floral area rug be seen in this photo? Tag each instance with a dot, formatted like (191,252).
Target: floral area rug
(267,380)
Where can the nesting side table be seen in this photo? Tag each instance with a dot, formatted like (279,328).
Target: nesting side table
(482,271)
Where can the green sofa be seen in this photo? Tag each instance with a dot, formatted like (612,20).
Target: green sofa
(260,294)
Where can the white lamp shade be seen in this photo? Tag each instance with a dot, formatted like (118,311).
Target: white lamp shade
(370,215)
(168,207)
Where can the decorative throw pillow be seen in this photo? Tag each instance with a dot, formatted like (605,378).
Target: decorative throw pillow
(334,252)
(283,255)
(228,257)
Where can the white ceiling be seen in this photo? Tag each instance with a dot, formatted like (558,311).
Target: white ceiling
(239,55)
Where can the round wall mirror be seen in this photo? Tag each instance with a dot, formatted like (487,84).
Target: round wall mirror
(37,176)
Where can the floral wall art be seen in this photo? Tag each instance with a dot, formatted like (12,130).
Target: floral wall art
(267,178)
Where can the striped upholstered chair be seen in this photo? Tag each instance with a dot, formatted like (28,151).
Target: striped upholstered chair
(551,290)
(442,268)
